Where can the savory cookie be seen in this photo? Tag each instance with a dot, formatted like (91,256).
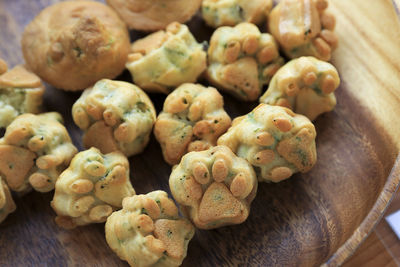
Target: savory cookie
(148,231)
(304,28)
(166,59)
(7,204)
(306,85)
(91,188)
(115,116)
(152,15)
(218,13)
(241,60)
(192,120)
(276,141)
(73,44)
(35,150)
(21,91)
(214,187)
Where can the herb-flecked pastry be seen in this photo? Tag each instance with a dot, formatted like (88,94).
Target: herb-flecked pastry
(21,91)
(214,187)
(91,188)
(306,85)
(241,60)
(218,13)
(275,140)
(73,44)
(35,149)
(148,231)
(7,204)
(192,120)
(152,15)
(304,28)
(115,115)
(166,59)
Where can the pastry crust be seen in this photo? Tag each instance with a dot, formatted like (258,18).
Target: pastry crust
(214,187)
(73,44)
(35,150)
(115,115)
(91,188)
(192,120)
(152,15)
(148,231)
(166,59)
(306,85)
(304,28)
(241,60)
(275,140)
(7,204)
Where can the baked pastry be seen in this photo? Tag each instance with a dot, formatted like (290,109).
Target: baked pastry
(306,85)
(276,141)
(214,187)
(148,231)
(21,91)
(152,15)
(115,116)
(303,28)
(3,66)
(7,204)
(91,188)
(166,59)
(218,13)
(192,120)
(241,60)
(73,44)
(35,149)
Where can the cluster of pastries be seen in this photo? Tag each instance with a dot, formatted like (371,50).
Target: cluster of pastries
(82,45)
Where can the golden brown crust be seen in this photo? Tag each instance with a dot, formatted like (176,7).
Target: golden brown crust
(3,66)
(192,120)
(7,204)
(73,44)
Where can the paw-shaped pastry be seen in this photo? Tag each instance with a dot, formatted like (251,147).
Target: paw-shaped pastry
(242,60)
(73,44)
(166,59)
(21,91)
(192,120)
(304,28)
(214,187)
(306,85)
(148,231)
(152,15)
(276,141)
(36,149)
(91,188)
(218,13)
(115,116)
(7,204)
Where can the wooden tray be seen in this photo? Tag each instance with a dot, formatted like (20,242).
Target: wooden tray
(312,219)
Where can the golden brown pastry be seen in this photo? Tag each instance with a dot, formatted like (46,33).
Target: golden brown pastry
(152,15)
(148,231)
(7,204)
(91,188)
(21,91)
(34,151)
(218,13)
(214,187)
(276,141)
(304,28)
(306,85)
(241,60)
(73,44)
(166,59)
(192,120)
(115,115)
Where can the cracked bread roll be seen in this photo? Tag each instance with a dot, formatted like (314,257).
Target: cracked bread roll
(7,204)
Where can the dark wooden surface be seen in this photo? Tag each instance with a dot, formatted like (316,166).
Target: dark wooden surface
(301,221)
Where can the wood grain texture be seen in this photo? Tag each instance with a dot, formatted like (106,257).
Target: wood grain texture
(311,219)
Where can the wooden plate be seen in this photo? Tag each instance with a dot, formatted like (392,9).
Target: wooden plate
(312,219)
